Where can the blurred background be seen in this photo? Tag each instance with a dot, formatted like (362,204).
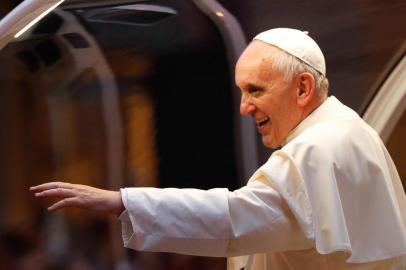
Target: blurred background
(141,93)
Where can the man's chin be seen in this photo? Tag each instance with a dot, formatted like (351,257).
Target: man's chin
(269,143)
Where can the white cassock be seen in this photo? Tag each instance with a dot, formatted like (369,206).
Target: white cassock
(331,198)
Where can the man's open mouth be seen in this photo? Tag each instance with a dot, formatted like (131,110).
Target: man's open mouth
(262,121)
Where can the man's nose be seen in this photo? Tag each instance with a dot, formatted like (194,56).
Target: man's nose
(246,106)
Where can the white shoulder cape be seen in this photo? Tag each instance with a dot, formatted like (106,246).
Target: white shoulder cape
(344,191)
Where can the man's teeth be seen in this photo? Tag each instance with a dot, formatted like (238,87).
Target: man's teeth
(262,121)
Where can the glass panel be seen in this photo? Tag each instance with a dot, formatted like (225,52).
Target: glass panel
(84,100)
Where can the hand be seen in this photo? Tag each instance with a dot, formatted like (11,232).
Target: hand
(75,195)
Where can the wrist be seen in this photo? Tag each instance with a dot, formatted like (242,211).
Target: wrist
(119,203)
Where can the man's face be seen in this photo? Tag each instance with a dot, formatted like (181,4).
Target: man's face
(266,97)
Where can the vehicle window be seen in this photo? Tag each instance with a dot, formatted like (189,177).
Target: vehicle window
(111,97)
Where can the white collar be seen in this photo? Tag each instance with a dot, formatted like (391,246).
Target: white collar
(320,114)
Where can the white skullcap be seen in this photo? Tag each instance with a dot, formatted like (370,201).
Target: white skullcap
(296,43)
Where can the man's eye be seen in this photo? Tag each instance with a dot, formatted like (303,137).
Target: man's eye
(254,92)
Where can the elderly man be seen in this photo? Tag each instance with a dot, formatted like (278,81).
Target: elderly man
(330,198)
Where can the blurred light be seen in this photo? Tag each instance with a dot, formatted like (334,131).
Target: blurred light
(219,13)
(30,24)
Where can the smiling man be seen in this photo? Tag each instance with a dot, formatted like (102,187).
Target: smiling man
(330,198)
(272,94)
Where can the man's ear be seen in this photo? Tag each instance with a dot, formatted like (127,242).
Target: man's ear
(306,88)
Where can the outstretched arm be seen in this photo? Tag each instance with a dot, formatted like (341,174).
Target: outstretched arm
(75,195)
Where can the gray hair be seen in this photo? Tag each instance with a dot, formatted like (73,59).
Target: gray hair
(290,66)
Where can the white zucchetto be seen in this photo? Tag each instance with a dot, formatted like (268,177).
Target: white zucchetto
(297,43)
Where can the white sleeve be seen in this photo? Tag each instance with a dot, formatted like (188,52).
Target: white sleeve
(216,222)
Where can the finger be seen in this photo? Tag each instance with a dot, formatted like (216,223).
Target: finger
(56,192)
(50,185)
(68,202)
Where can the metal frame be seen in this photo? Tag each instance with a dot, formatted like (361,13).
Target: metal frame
(21,16)
(389,103)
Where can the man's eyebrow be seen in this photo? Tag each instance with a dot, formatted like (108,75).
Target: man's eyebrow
(251,86)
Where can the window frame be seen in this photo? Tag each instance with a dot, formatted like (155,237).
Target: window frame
(389,103)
